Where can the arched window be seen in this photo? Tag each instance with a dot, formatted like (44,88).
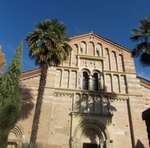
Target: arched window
(99,50)
(85,83)
(95,82)
(83,48)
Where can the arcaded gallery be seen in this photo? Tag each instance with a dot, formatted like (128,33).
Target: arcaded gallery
(93,100)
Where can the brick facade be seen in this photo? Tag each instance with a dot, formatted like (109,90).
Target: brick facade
(93,99)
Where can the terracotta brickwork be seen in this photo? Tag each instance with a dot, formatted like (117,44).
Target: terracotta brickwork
(93,98)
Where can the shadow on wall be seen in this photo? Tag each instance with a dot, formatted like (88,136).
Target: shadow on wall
(139,144)
(93,104)
(97,102)
(27,104)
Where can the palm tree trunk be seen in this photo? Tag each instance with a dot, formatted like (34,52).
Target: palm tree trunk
(44,69)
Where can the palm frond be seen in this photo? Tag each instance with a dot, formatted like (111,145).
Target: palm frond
(142,37)
(48,40)
(145,59)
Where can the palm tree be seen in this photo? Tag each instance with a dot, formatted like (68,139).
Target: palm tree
(48,46)
(142,37)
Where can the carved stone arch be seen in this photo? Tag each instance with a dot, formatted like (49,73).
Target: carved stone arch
(91,48)
(96,71)
(83,47)
(16,135)
(98,49)
(99,131)
(80,79)
(86,70)
(100,126)
(91,131)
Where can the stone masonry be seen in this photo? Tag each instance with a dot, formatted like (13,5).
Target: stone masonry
(94,99)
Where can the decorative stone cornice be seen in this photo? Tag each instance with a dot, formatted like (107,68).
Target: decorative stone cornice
(92,114)
(58,94)
(117,72)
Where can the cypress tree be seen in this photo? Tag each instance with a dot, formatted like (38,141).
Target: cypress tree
(10,96)
(2,61)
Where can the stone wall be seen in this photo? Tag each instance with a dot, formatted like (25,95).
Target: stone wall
(72,114)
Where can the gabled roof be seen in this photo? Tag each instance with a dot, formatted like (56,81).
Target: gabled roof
(31,73)
(144,81)
(101,38)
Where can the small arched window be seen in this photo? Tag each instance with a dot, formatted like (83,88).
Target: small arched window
(95,82)
(85,83)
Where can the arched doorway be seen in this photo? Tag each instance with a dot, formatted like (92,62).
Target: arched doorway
(15,137)
(92,138)
(91,133)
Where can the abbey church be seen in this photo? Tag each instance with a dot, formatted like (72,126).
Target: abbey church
(93,100)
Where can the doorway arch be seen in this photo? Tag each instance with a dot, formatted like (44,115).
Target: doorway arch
(91,133)
(15,136)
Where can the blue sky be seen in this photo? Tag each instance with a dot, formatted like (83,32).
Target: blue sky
(110,19)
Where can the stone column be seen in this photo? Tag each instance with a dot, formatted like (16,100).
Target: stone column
(69,76)
(109,60)
(78,61)
(111,77)
(86,49)
(119,83)
(104,87)
(71,58)
(61,79)
(100,82)
(90,82)
(117,62)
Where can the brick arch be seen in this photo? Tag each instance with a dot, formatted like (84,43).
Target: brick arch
(99,126)
(76,48)
(99,49)
(107,59)
(91,47)
(86,70)
(120,62)
(96,71)
(99,129)
(83,47)
(113,61)
(16,134)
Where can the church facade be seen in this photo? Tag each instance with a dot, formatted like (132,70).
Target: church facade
(93,100)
